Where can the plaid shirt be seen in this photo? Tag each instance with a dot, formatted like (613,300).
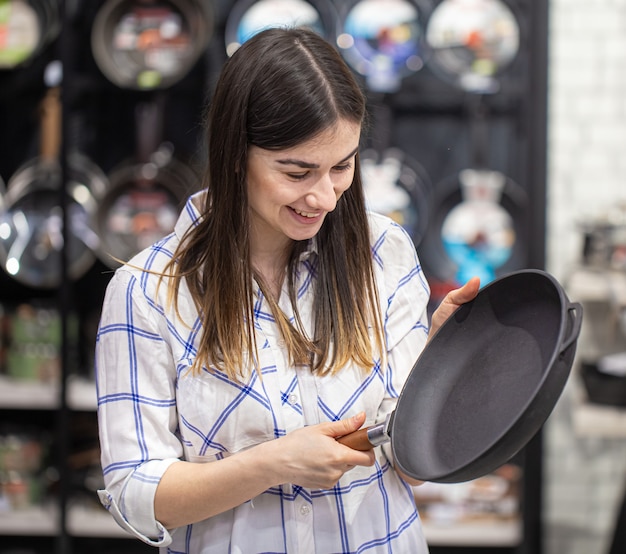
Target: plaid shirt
(153,412)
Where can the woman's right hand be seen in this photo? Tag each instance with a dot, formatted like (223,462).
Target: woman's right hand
(309,457)
(312,458)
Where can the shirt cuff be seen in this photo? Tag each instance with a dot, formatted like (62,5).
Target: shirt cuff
(134,509)
(163,538)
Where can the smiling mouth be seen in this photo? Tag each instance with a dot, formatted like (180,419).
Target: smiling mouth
(310,215)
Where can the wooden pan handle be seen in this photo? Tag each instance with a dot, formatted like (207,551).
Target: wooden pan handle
(357,440)
(51,125)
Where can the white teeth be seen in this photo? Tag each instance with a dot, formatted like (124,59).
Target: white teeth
(305,214)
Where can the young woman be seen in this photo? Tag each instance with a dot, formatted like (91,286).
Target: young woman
(278,316)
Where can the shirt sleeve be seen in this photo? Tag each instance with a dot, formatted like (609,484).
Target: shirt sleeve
(405,295)
(136,380)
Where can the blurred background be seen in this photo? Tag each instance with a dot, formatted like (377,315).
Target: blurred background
(496,141)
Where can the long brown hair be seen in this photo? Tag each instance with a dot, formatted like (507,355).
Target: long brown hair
(281,88)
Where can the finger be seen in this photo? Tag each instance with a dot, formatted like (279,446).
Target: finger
(465,293)
(345,426)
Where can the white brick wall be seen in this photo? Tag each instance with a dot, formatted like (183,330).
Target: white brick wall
(586,121)
(586,178)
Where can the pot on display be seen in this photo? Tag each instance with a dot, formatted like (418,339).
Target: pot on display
(150,44)
(145,194)
(476,227)
(398,187)
(472,42)
(27,27)
(384,40)
(485,383)
(248,17)
(31,220)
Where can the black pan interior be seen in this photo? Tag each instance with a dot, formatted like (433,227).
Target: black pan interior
(478,375)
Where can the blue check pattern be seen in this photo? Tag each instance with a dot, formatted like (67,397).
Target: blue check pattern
(152,411)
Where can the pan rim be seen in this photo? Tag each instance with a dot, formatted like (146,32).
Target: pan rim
(449,475)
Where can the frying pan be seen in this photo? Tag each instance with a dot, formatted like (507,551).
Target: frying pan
(247,17)
(31,239)
(397,186)
(384,40)
(472,42)
(27,28)
(145,193)
(479,215)
(484,384)
(150,44)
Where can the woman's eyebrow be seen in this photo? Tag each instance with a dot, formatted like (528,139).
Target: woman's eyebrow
(308,165)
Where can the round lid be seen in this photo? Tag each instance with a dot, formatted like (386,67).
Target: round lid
(149,44)
(247,18)
(479,234)
(472,41)
(20,32)
(383,40)
(397,187)
(31,225)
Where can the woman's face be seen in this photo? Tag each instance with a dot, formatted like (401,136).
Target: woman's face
(291,191)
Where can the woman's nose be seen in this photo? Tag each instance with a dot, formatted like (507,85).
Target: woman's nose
(322,196)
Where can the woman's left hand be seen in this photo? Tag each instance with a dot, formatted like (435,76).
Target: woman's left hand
(451,302)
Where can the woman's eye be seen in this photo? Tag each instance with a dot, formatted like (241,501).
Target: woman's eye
(343,167)
(297,176)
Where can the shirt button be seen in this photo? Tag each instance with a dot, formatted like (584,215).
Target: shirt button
(305,510)
(293,399)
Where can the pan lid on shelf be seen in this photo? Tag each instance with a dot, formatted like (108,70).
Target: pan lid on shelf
(478,234)
(383,40)
(397,186)
(477,226)
(150,44)
(141,204)
(26,28)
(31,228)
(32,238)
(472,42)
(248,17)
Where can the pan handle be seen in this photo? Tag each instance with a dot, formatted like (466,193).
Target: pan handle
(577,310)
(357,440)
(369,437)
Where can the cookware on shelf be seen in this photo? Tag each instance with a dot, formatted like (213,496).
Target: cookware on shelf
(27,27)
(384,40)
(472,42)
(145,193)
(248,17)
(31,219)
(150,44)
(397,186)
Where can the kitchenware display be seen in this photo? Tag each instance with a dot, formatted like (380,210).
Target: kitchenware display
(150,44)
(31,219)
(485,382)
(477,225)
(472,42)
(248,17)
(478,234)
(27,27)
(493,499)
(145,194)
(384,40)
(397,186)
(605,379)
